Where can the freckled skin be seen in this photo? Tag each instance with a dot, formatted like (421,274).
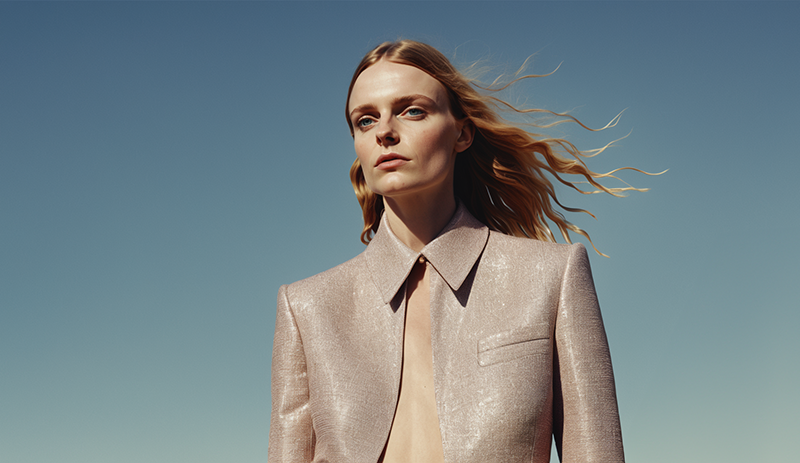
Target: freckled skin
(422,130)
(401,112)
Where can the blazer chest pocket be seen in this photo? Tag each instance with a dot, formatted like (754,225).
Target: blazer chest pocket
(513,344)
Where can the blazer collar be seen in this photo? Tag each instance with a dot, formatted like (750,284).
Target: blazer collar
(452,253)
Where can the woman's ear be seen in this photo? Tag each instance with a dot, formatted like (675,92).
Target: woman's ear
(466,135)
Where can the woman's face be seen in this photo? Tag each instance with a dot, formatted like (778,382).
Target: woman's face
(404,132)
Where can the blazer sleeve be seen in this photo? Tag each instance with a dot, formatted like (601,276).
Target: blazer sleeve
(585,416)
(291,435)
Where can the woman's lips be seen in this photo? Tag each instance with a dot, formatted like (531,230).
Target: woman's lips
(390,161)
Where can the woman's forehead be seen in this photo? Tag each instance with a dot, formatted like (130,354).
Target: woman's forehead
(389,80)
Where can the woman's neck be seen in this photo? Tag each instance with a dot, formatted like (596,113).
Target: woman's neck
(417,221)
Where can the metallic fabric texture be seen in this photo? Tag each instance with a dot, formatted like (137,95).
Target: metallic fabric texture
(519,352)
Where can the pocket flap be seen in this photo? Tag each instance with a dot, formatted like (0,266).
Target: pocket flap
(513,344)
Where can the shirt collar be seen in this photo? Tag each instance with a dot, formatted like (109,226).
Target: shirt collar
(452,253)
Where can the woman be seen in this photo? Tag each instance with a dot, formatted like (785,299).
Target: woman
(454,336)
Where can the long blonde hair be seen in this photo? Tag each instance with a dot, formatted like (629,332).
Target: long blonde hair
(500,178)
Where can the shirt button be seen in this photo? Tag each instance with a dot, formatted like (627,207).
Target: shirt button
(421,259)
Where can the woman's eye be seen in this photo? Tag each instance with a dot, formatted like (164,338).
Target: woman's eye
(415,112)
(365,122)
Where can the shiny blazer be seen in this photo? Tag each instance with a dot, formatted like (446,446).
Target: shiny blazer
(519,352)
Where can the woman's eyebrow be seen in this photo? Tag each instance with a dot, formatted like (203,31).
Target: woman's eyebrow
(397,101)
(409,98)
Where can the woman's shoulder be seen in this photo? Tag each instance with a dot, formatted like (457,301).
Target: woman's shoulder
(532,255)
(336,278)
(525,247)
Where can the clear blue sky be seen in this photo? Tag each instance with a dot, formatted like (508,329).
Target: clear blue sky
(164,167)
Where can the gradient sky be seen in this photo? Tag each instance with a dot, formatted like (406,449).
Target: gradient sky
(164,167)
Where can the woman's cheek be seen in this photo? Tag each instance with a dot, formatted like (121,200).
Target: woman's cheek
(361,154)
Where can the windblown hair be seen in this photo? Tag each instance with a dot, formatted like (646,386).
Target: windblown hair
(501,178)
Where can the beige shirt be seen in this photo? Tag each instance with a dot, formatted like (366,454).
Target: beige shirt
(519,352)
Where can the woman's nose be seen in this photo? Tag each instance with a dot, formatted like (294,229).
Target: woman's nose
(386,134)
